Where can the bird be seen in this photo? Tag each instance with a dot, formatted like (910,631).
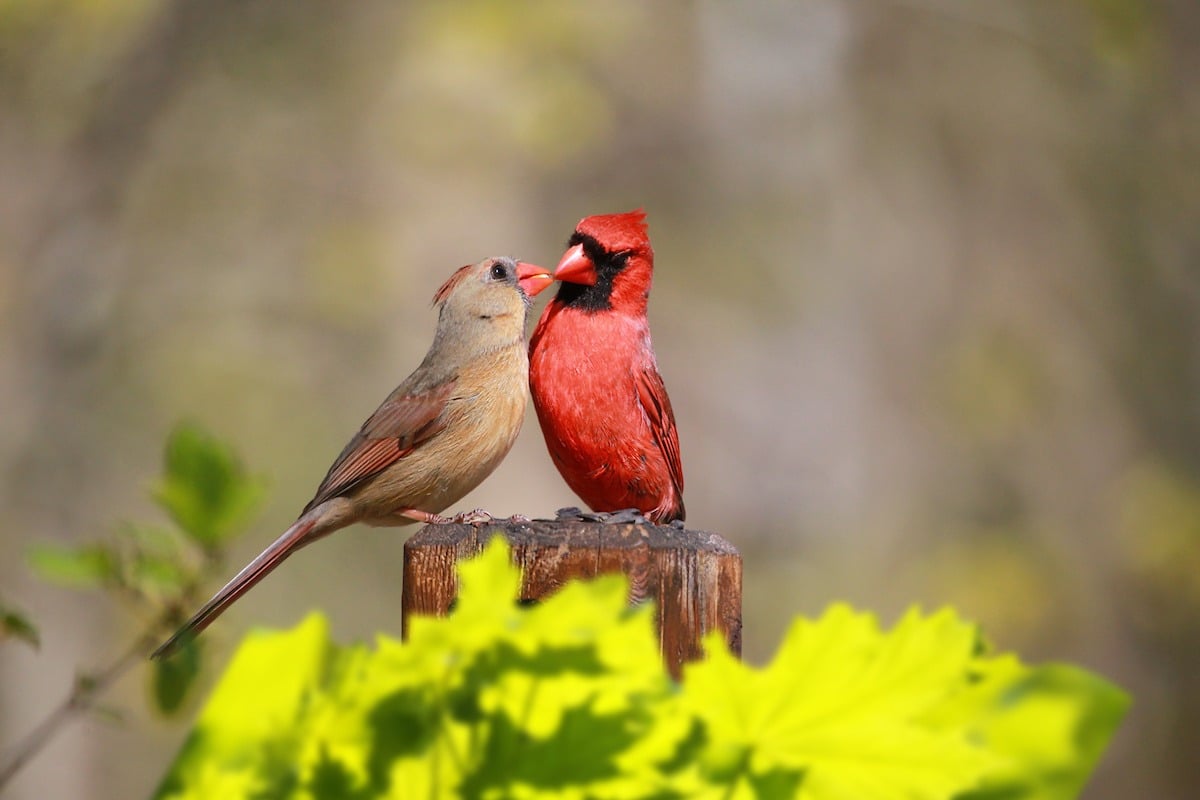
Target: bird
(600,400)
(436,436)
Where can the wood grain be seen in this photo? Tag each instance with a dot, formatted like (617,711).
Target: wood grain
(695,576)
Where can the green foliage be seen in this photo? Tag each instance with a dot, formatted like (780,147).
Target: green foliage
(15,624)
(84,567)
(211,497)
(569,699)
(173,677)
(205,488)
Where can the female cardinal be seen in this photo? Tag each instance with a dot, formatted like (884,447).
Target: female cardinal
(601,403)
(435,438)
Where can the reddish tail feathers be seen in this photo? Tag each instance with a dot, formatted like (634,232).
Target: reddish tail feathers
(295,537)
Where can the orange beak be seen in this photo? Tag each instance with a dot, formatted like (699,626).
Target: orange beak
(532,278)
(576,267)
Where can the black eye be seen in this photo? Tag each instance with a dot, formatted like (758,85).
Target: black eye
(499,272)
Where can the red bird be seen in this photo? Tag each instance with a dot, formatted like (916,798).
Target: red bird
(601,403)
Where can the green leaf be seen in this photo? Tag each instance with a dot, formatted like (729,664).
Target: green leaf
(16,625)
(583,750)
(152,559)
(249,737)
(331,780)
(153,574)
(173,677)
(401,724)
(205,488)
(84,567)
(1053,724)
(843,703)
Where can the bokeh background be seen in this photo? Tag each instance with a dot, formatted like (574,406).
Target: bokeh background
(927,301)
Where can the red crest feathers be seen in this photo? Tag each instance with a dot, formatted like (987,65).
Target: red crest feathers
(617,232)
(454,280)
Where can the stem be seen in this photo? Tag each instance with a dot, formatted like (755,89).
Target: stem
(88,688)
(81,699)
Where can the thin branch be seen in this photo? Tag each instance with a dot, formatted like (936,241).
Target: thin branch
(81,699)
(88,688)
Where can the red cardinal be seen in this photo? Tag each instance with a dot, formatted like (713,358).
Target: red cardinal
(435,438)
(599,398)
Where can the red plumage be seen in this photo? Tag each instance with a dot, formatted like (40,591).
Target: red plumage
(599,397)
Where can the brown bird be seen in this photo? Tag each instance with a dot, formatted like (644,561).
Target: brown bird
(435,438)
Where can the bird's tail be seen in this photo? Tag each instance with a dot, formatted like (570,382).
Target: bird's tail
(301,533)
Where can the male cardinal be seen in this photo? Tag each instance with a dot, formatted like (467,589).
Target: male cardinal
(435,438)
(601,403)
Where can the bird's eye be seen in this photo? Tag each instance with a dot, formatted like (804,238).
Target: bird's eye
(499,272)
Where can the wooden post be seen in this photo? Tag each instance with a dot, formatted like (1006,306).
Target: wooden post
(695,576)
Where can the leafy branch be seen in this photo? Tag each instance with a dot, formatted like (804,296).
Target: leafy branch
(159,570)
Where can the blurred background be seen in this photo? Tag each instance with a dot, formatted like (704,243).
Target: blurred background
(927,302)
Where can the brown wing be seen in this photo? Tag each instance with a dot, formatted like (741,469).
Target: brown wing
(652,394)
(396,427)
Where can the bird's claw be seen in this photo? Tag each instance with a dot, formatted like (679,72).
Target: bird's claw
(626,516)
(474,517)
(567,514)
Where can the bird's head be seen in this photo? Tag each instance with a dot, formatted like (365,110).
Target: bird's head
(493,294)
(608,263)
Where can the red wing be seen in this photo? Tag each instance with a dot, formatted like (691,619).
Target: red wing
(653,396)
(396,427)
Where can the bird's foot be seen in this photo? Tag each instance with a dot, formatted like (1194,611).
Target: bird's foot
(474,517)
(626,516)
(568,514)
(517,519)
